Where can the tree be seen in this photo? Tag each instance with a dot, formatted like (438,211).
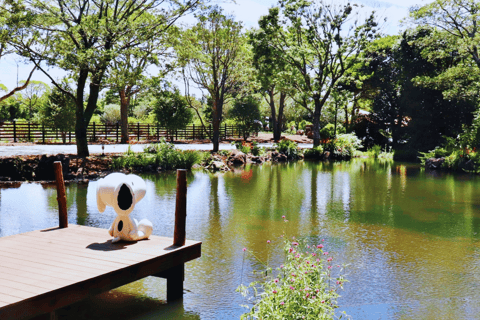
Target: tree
(127,75)
(33,96)
(245,111)
(171,110)
(309,37)
(83,37)
(212,52)
(272,74)
(453,26)
(415,116)
(58,111)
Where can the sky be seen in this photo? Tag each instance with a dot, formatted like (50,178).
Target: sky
(247,11)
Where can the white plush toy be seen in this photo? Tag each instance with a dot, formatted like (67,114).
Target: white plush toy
(122,192)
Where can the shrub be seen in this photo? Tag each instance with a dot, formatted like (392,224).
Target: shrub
(375,151)
(162,154)
(313,153)
(111,113)
(304,287)
(303,124)
(256,150)
(245,149)
(344,145)
(289,148)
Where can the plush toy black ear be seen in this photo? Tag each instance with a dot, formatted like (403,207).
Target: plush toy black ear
(124,198)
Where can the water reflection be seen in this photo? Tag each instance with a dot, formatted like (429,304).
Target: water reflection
(410,236)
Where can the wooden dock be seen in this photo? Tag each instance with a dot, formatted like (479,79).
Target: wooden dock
(44,270)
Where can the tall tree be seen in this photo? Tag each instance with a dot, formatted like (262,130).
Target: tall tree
(311,38)
(128,73)
(273,74)
(212,52)
(83,37)
(454,25)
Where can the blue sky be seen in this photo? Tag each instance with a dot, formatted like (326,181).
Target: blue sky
(247,11)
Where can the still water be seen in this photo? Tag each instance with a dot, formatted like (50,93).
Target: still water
(412,238)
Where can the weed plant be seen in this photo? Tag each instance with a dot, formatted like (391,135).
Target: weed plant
(305,286)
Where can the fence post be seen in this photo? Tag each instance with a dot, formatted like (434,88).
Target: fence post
(94,138)
(225,131)
(28,136)
(117,133)
(176,134)
(158,133)
(69,136)
(138,131)
(61,198)
(14,131)
(148,130)
(43,133)
(105,131)
(193,134)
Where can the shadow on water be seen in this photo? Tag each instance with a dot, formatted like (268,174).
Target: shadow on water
(119,305)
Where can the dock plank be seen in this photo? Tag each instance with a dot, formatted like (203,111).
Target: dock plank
(44,270)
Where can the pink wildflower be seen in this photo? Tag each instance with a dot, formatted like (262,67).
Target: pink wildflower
(274,291)
(323,301)
(329,259)
(320,246)
(295,243)
(283,217)
(292,288)
(325,253)
(244,249)
(329,267)
(276,280)
(282,303)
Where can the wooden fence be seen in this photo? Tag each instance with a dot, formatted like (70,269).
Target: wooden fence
(97,132)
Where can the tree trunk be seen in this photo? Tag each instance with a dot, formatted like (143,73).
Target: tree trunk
(276,133)
(316,122)
(217,118)
(281,107)
(124,103)
(80,123)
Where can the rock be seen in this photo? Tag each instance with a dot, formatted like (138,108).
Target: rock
(237,158)
(256,159)
(44,170)
(217,166)
(278,157)
(434,163)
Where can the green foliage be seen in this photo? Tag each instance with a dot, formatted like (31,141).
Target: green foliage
(314,153)
(245,149)
(302,125)
(163,155)
(256,150)
(305,286)
(289,148)
(58,112)
(344,145)
(111,113)
(245,111)
(375,151)
(171,110)
(327,132)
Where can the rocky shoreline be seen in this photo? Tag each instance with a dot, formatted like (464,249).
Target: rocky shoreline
(15,170)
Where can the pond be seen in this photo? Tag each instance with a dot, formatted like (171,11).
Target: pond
(412,238)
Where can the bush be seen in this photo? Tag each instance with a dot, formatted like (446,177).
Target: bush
(111,113)
(304,287)
(245,149)
(344,146)
(289,148)
(375,151)
(163,155)
(314,153)
(302,125)
(256,150)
